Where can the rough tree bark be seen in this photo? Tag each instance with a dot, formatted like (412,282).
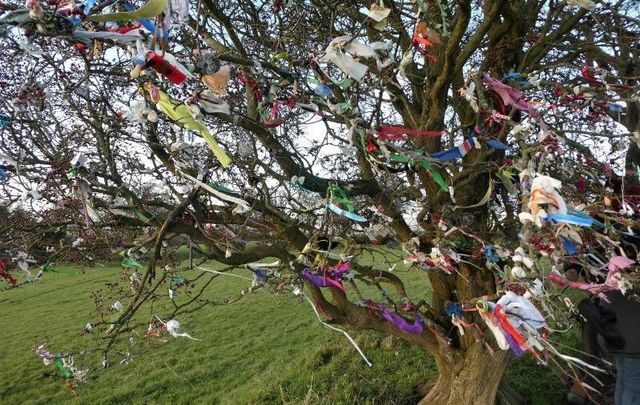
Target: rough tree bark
(469,370)
(472,377)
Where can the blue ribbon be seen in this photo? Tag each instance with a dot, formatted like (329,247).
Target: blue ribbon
(454,153)
(571,219)
(577,213)
(449,154)
(496,144)
(517,78)
(88,5)
(344,213)
(453,308)
(488,252)
(323,90)
(261,275)
(569,246)
(151,27)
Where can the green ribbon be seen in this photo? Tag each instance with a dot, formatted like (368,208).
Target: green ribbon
(342,84)
(339,197)
(64,370)
(73,172)
(223,189)
(140,215)
(264,113)
(48,267)
(399,158)
(131,263)
(396,157)
(138,212)
(505,178)
(151,9)
(279,56)
(435,174)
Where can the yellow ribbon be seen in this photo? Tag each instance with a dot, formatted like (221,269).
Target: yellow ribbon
(151,9)
(179,113)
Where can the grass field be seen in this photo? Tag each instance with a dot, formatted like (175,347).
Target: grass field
(264,349)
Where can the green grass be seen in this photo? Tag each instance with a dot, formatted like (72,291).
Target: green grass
(264,349)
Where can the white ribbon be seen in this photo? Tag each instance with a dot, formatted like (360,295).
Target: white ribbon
(173,327)
(243,206)
(335,328)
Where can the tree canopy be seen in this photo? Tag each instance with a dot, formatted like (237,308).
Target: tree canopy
(489,144)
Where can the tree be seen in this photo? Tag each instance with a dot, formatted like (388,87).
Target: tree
(426,111)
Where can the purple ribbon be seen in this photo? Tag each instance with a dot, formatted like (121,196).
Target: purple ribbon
(399,322)
(330,278)
(517,350)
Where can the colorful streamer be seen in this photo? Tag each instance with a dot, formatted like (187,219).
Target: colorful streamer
(613,281)
(151,9)
(330,276)
(399,322)
(435,174)
(353,342)
(62,368)
(339,197)
(148,25)
(181,115)
(570,219)
(464,148)
(130,263)
(346,214)
(5,274)
(220,192)
(510,96)
(395,133)
(165,68)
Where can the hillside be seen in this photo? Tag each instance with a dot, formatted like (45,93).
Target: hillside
(262,349)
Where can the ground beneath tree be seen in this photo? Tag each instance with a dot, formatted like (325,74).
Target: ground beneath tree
(262,349)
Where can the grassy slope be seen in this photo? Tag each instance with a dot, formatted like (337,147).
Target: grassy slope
(266,348)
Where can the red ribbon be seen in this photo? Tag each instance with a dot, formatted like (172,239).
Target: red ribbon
(418,40)
(160,65)
(421,44)
(393,133)
(125,29)
(506,325)
(253,85)
(273,120)
(371,144)
(588,76)
(4,274)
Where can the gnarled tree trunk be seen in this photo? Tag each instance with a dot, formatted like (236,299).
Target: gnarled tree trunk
(471,377)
